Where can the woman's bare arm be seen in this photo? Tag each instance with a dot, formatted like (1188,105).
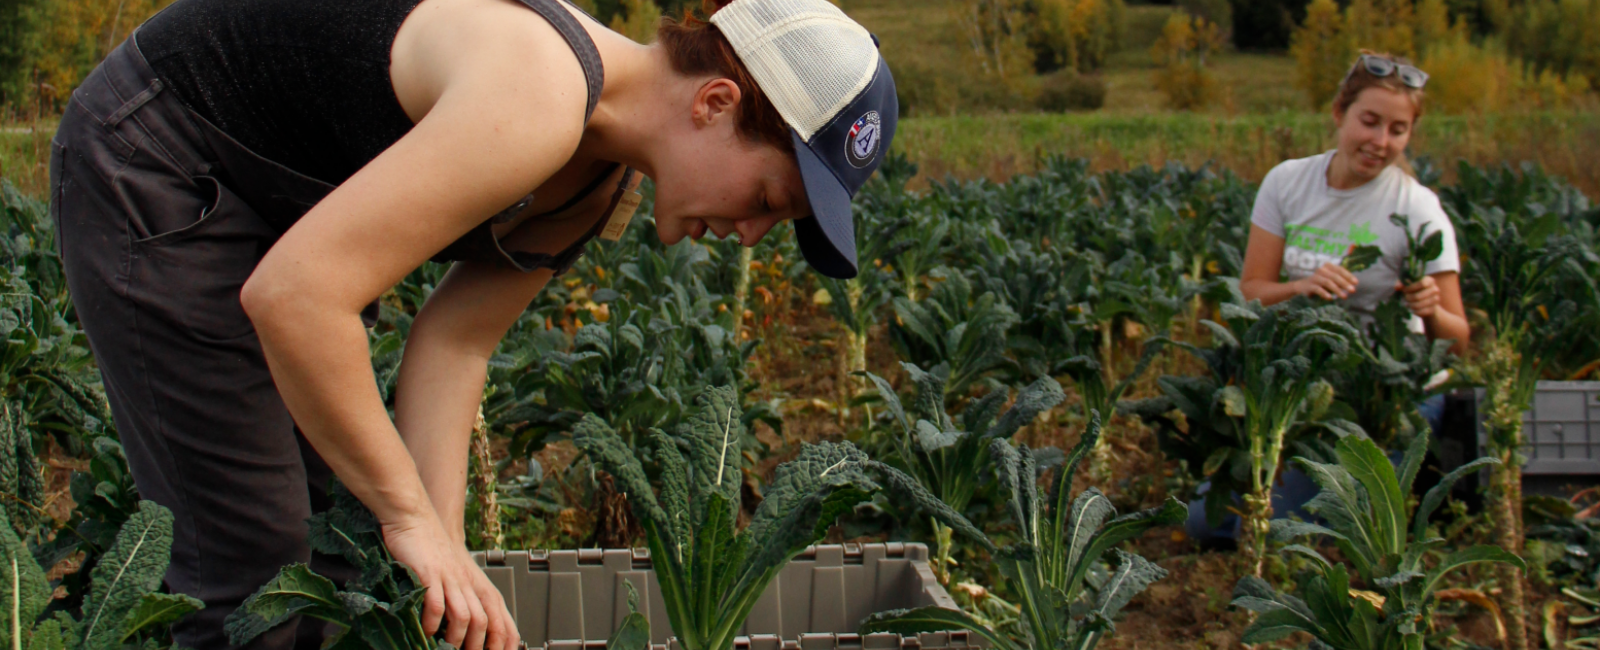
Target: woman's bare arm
(447,352)
(443,372)
(1263,264)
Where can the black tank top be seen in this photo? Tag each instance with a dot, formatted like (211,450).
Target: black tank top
(305,84)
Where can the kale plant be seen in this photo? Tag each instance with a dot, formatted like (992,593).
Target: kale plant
(710,573)
(955,326)
(123,608)
(105,498)
(1383,390)
(1533,280)
(1363,500)
(1273,359)
(48,382)
(1051,294)
(946,458)
(1049,567)
(380,609)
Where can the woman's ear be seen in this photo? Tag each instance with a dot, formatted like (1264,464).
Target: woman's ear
(716,100)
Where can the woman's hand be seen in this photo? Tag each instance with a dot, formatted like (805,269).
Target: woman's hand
(1329,282)
(1422,297)
(458,591)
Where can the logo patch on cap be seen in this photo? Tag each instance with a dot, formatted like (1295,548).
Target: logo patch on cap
(862,145)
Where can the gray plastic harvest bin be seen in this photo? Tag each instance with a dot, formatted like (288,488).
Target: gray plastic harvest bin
(1562,429)
(569,600)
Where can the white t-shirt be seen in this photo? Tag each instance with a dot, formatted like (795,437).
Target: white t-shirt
(1321,224)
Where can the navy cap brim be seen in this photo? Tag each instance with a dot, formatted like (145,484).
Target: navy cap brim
(828,237)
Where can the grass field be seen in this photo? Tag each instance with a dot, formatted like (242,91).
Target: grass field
(998,146)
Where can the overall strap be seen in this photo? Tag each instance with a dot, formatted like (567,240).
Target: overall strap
(588,56)
(480,244)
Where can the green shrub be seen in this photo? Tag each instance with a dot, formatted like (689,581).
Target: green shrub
(1181,57)
(1381,26)
(1066,90)
(1557,36)
(1320,52)
(640,24)
(1074,34)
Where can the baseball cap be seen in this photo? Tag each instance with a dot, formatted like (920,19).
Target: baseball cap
(823,73)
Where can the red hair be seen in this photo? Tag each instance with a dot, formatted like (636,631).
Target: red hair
(696,48)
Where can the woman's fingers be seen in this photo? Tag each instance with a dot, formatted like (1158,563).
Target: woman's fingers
(1322,291)
(460,615)
(1422,297)
(1336,279)
(1346,278)
(432,604)
(502,632)
(477,623)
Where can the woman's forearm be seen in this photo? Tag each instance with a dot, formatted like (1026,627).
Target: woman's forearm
(436,403)
(1269,292)
(1445,325)
(322,366)
(443,371)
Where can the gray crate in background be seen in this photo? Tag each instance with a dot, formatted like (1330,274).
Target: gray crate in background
(1562,429)
(572,600)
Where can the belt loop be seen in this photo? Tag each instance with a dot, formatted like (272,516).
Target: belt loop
(134,104)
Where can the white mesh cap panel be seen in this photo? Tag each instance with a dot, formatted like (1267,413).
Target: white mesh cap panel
(809,58)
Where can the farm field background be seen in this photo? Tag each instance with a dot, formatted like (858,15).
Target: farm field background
(1015,248)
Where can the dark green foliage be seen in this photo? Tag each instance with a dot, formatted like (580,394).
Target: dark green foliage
(106,497)
(1266,392)
(16,23)
(1528,261)
(1573,541)
(634,631)
(1051,294)
(1363,500)
(124,608)
(1421,248)
(946,457)
(1361,258)
(1383,389)
(1048,568)
(381,609)
(710,572)
(956,327)
(47,376)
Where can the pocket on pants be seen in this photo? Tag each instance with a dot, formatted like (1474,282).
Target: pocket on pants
(221,200)
(192,275)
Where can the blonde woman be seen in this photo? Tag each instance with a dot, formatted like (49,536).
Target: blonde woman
(1311,211)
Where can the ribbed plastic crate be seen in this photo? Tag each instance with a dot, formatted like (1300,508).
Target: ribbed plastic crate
(574,600)
(1562,429)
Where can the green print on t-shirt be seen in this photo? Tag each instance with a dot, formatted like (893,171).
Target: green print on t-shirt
(1361,234)
(1330,242)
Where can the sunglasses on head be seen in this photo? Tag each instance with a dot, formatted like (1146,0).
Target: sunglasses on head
(1379,66)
